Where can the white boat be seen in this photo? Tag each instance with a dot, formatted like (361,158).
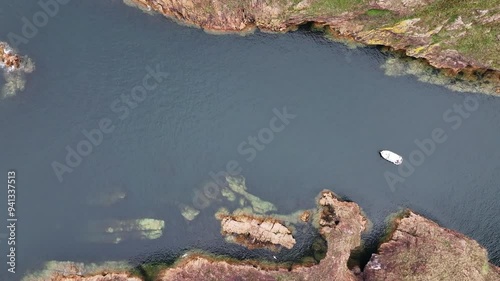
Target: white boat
(391,157)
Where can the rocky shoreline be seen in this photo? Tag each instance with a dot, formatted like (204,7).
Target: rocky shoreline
(416,249)
(399,24)
(458,39)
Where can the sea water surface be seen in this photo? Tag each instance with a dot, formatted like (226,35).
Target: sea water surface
(221,90)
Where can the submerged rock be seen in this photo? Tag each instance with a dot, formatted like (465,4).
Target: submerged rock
(107,196)
(116,231)
(228,194)
(483,82)
(259,206)
(256,232)
(188,212)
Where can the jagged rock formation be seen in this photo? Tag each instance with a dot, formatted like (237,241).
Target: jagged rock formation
(341,223)
(418,249)
(71,271)
(257,232)
(8,58)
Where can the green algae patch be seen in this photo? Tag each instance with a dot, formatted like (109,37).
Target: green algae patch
(228,194)
(238,185)
(332,35)
(188,212)
(378,12)
(329,7)
(150,271)
(115,231)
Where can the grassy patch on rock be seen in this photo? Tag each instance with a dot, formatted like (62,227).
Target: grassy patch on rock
(470,27)
(377,12)
(329,7)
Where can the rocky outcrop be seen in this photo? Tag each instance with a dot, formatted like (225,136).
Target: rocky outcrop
(341,223)
(257,232)
(8,58)
(14,67)
(419,249)
(71,271)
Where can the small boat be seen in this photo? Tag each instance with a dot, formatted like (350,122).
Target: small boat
(391,157)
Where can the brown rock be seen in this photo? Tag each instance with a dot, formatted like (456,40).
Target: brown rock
(305,216)
(343,225)
(419,249)
(71,271)
(106,277)
(8,57)
(257,232)
(281,16)
(401,6)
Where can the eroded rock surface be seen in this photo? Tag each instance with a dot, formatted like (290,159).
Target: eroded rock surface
(341,224)
(8,58)
(419,249)
(72,271)
(257,232)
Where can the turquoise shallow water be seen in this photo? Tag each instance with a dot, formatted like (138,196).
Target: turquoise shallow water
(219,91)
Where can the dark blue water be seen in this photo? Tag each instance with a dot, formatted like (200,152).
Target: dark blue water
(220,90)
